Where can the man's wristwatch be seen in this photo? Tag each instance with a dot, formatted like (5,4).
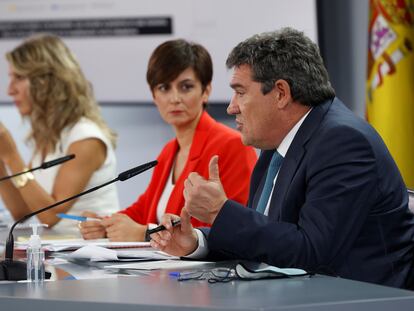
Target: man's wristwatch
(22,180)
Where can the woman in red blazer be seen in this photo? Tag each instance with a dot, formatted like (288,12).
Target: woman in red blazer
(179,74)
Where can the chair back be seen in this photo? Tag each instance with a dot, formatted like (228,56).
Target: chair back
(410,278)
(411,199)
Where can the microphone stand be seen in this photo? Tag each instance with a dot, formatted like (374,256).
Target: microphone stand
(12,270)
(44,165)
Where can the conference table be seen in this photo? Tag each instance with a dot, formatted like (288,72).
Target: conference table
(80,287)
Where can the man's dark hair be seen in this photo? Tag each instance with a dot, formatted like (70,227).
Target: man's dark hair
(289,55)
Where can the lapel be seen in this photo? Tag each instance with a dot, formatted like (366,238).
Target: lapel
(171,150)
(294,157)
(176,200)
(199,141)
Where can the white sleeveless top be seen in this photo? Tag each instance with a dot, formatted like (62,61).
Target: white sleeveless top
(103,201)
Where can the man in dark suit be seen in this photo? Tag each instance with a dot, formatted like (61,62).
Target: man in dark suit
(325,195)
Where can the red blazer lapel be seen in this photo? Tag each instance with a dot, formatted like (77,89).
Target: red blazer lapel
(163,176)
(176,201)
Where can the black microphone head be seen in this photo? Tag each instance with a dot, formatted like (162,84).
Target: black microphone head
(57,161)
(13,270)
(136,170)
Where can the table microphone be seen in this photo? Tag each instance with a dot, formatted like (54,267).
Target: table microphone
(44,165)
(16,270)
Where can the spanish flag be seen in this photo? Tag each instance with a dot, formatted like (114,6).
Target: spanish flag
(390,84)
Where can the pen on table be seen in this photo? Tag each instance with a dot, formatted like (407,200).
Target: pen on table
(160,228)
(177,274)
(174,274)
(77,218)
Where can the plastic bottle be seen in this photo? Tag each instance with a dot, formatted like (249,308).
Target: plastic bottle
(35,256)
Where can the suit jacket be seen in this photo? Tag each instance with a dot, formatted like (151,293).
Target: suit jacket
(339,205)
(236,162)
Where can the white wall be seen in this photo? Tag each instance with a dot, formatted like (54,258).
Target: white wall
(116,64)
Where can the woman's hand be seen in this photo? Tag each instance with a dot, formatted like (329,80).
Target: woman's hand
(121,228)
(3,171)
(8,148)
(92,229)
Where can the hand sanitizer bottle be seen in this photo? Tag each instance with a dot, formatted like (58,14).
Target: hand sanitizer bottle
(35,257)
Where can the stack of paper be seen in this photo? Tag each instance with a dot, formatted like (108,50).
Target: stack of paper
(97,253)
(73,244)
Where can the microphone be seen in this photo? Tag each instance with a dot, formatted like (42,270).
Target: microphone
(43,166)
(16,270)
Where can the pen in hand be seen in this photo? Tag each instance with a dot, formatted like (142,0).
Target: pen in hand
(77,218)
(161,228)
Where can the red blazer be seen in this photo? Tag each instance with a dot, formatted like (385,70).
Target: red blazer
(236,163)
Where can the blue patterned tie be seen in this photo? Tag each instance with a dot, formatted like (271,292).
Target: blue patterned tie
(268,185)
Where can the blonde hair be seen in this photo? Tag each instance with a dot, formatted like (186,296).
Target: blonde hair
(59,91)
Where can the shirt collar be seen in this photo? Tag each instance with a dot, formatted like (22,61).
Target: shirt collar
(285,144)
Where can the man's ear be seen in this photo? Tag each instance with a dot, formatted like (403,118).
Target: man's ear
(282,93)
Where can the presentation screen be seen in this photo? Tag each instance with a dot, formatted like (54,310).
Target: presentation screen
(113,39)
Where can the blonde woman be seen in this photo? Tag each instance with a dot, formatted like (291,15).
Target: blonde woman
(51,92)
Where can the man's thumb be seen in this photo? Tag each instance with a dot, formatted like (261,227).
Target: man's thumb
(213,169)
(185,220)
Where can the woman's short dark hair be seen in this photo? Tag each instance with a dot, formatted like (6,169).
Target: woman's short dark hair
(172,57)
